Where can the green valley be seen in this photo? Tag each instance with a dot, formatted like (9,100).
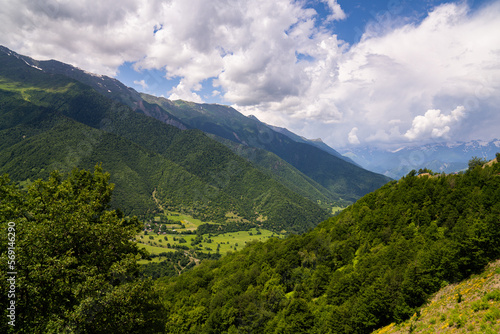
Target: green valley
(378,262)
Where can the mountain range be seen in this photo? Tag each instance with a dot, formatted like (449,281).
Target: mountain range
(342,180)
(56,116)
(372,266)
(438,157)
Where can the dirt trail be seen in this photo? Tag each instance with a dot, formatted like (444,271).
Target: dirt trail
(157,201)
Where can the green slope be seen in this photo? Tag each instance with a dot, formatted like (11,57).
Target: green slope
(265,161)
(374,264)
(29,152)
(285,173)
(471,306)
(52,121)
(344,180)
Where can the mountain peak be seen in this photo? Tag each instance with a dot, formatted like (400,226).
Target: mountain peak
(253,117)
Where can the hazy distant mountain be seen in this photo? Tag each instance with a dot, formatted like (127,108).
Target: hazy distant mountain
(439,157)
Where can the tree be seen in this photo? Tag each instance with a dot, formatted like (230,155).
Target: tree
(476,161)
(76,264)
(425,170)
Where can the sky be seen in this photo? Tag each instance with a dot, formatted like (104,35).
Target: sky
(382,73)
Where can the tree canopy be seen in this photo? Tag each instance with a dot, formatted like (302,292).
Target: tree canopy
(375,263)
(76,268)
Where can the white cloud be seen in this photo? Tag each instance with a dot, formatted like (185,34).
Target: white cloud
(97,36)
(141,83)
(183,92)
(352,137)
(337,12)
(450,59)
(250,51)
(384,82)
(434,124)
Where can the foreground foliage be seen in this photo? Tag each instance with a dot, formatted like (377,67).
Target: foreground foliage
(374,264)
(76,268)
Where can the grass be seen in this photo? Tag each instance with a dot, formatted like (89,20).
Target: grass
(337,209)
(156,244)
(472,306)
(238,240)
(190,223)
(25,90)
(227,242)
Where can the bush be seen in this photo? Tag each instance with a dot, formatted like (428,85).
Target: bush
(475,162)
(479,305)
(492,315)
(494,295)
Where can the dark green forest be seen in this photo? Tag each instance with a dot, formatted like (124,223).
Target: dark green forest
(308,168)
(338,180)
(76,268)
(375,263)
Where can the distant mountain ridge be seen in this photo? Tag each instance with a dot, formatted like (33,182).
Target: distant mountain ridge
(345,181)
(314,160)
(315,142)
(439,157)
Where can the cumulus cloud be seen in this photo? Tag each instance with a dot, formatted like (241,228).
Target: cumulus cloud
(352,137)
(434,124)
(336,11)
(274,59)
(385,81)
(449,59)
(97,36)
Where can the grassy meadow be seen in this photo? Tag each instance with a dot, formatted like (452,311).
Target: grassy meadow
(156,243)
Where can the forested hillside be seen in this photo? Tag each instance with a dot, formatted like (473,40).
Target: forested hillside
(288,175)
(376,263)
(336,179)
(48,121)
(72,266)
(342,179)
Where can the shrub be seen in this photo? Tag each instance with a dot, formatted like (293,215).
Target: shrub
(479,305)
(492,315)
